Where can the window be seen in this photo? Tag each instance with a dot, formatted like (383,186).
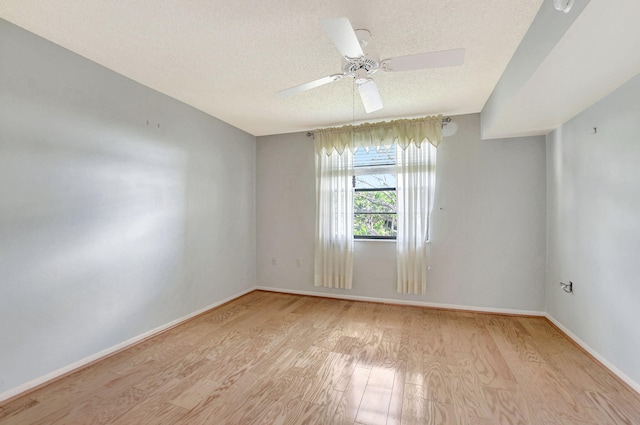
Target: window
(375,198)
(382,193)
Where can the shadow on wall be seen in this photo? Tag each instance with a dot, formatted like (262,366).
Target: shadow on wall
(92,230)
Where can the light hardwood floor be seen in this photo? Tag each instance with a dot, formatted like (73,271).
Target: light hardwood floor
(270,358)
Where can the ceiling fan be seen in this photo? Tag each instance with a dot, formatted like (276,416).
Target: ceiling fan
(360,61)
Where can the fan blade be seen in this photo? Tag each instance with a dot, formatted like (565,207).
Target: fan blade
(310,85)
(440,59)
(342,35)
(370,96)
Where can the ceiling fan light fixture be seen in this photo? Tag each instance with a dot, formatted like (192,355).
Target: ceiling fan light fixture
(361,77)
(363,36)
(563,5)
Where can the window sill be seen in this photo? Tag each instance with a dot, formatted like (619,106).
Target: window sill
(375,240)
(382,240)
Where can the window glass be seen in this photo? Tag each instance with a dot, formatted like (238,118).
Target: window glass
(374,198)
(371,181)
(374,157)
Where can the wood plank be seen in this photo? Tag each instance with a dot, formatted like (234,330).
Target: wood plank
(438,374)
(321,389)
(374,406)
(397,395)
(98,409)
(382,377)
(511,336)
(16,407)
(467,395)
(347,409)
(221,400)
(439,413)
(415,370)
(553,391)
(367,345)
(612,412)
(414,405)
(315,414)
(506,407)
(193,395)
(394,417)
(151,411)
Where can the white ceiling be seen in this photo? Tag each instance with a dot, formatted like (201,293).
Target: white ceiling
(229,58)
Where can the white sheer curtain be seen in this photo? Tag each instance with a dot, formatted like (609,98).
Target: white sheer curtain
(334,148)
(334,219)
(416,174)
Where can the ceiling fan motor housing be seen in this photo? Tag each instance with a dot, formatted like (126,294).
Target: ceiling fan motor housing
(367,64)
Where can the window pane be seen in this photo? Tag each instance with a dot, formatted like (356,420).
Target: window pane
(370,181)
(373,157)
(379,201)
(381,225)
(375,196)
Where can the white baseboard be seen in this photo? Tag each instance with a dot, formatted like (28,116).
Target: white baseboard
(13,392)
(606,363)
(405,302)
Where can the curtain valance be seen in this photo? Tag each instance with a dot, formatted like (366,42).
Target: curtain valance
(400,132)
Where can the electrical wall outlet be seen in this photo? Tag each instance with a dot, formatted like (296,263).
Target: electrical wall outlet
(273,261)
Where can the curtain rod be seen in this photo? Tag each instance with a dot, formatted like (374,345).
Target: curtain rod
(445,120)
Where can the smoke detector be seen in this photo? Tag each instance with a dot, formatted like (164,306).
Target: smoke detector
(563,5)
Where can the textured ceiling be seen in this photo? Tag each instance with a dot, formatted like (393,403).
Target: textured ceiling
(229,58)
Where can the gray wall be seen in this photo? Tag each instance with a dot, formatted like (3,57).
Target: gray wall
(109,226)
(593,201)
(488,242)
